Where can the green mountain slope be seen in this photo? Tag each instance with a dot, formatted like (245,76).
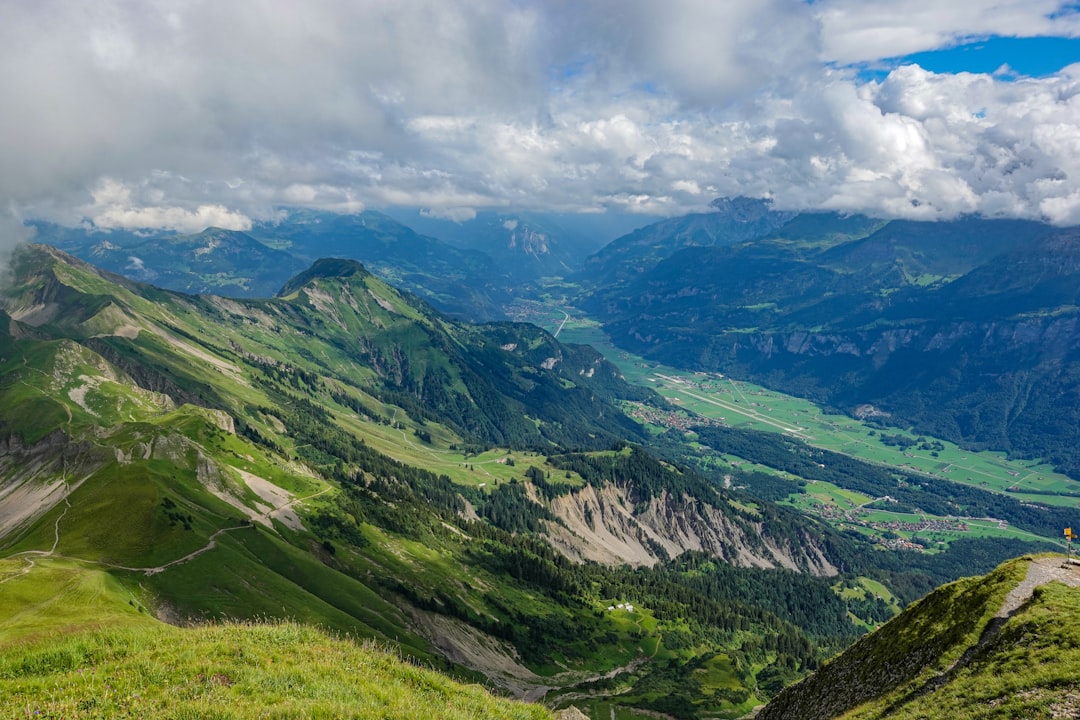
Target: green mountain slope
(734,220)
(104,657)
(257,263)
(965,330)
(999,646)
(344,456)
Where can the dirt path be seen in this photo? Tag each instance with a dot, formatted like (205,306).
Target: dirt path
(25,556)
(210,544)
(1041,571)
(212,540)
(24,571)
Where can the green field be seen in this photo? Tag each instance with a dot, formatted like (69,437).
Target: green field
(743,404)
(737,403)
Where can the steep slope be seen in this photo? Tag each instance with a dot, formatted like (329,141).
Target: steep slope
(328,455)
(636,510)
(503,383)
(734,220)
(114,661)
(913,319)
(999,646)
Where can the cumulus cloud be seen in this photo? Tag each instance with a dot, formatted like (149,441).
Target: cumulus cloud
(114,207)
(868,30)
(170,114)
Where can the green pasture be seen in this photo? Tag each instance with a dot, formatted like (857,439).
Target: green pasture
(43,598)
(865,587)
(233,672)
(483,470)
(743,404)
(847,502)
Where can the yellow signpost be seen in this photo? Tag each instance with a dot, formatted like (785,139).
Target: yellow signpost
(1068,540)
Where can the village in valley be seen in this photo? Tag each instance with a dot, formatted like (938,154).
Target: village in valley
(673,419)
(890,529)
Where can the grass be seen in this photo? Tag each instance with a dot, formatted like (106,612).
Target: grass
(740,403)
(44,598)
(743,404)
(893,664)
(233,672)
(252,574)
(1028,670)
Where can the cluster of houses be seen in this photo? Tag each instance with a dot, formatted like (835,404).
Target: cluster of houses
(936,524)
(901,544)
(835,512)
(666,418)
(621,606)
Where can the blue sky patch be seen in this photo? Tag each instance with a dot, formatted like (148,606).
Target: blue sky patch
(1031,57)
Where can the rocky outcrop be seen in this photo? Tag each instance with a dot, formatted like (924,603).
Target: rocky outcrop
(36,477)
(1045,335)
(604,525)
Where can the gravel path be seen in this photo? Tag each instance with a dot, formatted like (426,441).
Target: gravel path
(1041,571)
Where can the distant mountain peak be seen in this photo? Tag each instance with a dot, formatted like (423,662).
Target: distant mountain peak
(743,209)
(325,268)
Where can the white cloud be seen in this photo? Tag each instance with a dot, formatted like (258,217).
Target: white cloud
(174,114)
(171,218)
(868,30)
(457,214)
(114,207)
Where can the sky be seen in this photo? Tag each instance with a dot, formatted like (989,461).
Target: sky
(182,114)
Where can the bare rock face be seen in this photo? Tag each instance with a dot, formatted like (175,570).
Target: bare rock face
(571,713)
(604,525)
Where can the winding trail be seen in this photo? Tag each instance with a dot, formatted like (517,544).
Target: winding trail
(210,544)
(26,569)
(212,540)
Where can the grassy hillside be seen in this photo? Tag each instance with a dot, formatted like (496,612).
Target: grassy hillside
(75,641)
(233,672)
(329,456)
(345,457)
(998,646)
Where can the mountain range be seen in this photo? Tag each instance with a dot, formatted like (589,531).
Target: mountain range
(344,455)
(909,318)
(335,451)
(966,330)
